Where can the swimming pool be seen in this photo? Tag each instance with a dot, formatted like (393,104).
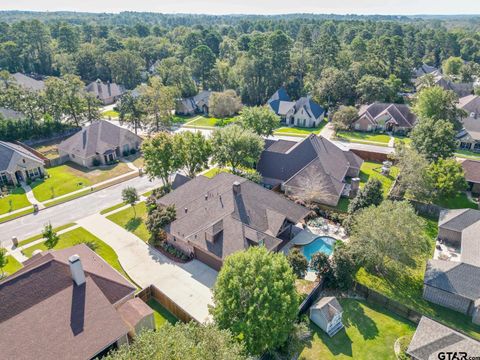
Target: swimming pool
(324,244)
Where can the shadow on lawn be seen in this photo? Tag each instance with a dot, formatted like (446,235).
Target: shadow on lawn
(339,344)
(133,224)
(354,315)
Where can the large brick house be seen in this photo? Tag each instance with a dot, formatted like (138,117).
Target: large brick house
(227,213)
(385,117)
(455,283)
(17,164)
(68,304)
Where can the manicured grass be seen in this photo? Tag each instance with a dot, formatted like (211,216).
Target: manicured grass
(405,285)
(460,201)
(210,122)
(161,314)
(182,119)
(14,216)
(343,204)
(363,137)
(70,177)
(110,114)
(213,171)
(135,224)
(16,199)
(370,333)
(111,208)
(374,170)
(39,236)
(465,154)
(299,131)
(77,236)
(12,266)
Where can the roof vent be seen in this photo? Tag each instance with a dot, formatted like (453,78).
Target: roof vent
(236,188)
(206,196)
(76,268)
(186,210)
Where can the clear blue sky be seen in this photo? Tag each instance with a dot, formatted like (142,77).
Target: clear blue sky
(399,7)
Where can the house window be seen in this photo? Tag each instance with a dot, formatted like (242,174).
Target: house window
(126,147)
(3,178)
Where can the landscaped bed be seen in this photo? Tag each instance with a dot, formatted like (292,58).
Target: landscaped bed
(136,224)
(405,285)
(70,177)
(16,199)
(370,333)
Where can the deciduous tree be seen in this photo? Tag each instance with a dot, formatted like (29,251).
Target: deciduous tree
(223,104)
(370,194)
(435,139)
(447,177)
(130,197)
(161,158)
(194,151)
(50,236)
(259,119)
(298,262)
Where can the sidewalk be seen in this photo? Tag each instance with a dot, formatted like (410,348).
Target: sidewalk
(189,285)
(31,197)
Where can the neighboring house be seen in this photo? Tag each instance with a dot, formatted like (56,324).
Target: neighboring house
(461,89)
(433,341)
(227,213)
(28,83)
(385,117)
(68,304)
(17,164)
(455,283)
(471,168)
(425,69)
(303,113)
(198,104)
(326,313)
(9,114)
(314,169)
(108,93)
(469,136)
(101,142)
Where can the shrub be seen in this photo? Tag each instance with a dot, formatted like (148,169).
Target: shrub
(125,153)
(298,262)
(133,151)
(96,162)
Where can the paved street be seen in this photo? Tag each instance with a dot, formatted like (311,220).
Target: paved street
(71,211)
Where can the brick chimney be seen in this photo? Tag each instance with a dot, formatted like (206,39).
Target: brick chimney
(76,268)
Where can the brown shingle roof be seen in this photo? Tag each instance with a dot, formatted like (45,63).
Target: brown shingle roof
(212,208)
(56,318)
(472,170)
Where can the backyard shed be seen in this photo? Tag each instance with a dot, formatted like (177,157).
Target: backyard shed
(327,314)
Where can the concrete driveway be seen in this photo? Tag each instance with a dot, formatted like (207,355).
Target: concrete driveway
(189,285)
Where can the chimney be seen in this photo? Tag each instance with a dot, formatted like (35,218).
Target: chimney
(354,187)
(76,269)
(236,188)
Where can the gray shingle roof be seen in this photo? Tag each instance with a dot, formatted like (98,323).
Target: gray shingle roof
(98,138)
(283,160)
(103,91)
(28,83)
(328,306)
(454,277)
(431,337)
(458,219)
(206,205)
(10,152)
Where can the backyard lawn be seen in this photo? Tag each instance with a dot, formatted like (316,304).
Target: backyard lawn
(299,131)
(16,199)
(126,219)
(374,170)
(161,314)
(213,171)
(460,201)
(364,137)
(209,122)
(110,114)
(370,333)
(12,266)
(70,177)
(405,285)
(77,236)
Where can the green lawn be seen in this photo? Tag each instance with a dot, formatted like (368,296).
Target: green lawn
(39,236)
(110,114)
(213,171)
(69,177)
(210,122)
(460,201)
(111,208)
(135,224)
(363,137)
(299,131)
(465,154)
(16,199)
(370,333)
(14,216)
(182,119)
(371,169)
(12,266)
(161,314)
(405,285)
(77,236)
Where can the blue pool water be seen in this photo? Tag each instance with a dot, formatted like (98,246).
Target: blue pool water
(322,244)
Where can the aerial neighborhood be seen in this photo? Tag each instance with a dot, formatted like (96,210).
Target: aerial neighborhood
(233,187)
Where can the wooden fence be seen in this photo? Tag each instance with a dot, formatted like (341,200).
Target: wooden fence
(376,298)
(370,155)
(153,292)
(311,298)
